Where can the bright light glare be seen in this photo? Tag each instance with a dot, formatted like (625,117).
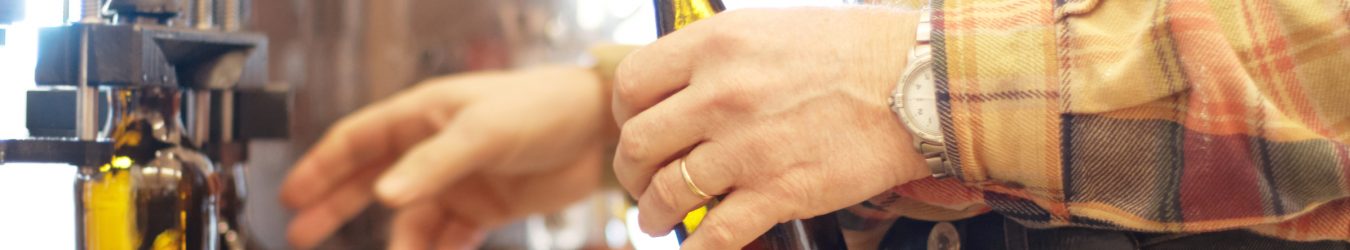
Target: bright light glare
(641,29)
(642,241)
(18,58)
(739,4)
(37,209)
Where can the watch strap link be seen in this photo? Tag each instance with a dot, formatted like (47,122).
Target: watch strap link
(934,153)
(935,157)
(924,32)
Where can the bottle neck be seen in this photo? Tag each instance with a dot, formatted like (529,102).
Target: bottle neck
(145,117)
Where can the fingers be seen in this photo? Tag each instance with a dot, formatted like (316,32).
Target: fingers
(476,196)
(375,133)
(315,223)
(657,136)
(419,225)
(436,163)
(654,72)
(415,227)
(670,198)
(496,201)
(736,221)
(549,191)
(459,235)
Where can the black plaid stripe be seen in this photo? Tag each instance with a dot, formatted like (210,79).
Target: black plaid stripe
(939,47)
(1125,162)
(1017,208)
(1303,173)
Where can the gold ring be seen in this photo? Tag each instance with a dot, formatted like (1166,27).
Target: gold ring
(690,182)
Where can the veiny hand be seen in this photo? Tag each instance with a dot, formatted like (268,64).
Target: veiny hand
(456,156)
(783,111)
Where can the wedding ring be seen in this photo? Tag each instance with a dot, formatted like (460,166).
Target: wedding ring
(690,182)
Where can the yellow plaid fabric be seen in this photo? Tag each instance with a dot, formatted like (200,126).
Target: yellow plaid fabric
(1144,115)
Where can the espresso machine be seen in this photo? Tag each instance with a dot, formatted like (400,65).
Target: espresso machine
(155,103)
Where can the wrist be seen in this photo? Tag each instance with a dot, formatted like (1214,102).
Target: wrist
(607,59)
(902,32)
(891,42)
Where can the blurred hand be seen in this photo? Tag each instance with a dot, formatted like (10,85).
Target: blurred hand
(783,111)
(455,156)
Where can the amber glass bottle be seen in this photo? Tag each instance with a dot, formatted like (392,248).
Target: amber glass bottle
(150,195)
(672,15)
(821,232)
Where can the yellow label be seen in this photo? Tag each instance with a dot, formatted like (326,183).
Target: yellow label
(169,240)
(686,12)
(693,218)
(110,214)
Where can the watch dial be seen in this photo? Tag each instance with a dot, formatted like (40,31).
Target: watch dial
(920,104)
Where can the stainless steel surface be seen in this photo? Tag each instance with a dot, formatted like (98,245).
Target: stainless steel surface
(91,11)
(199,123)
(230,20)
(202,14)
(226,116)
(86,97)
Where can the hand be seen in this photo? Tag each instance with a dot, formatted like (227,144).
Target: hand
(783,111)
(456,156)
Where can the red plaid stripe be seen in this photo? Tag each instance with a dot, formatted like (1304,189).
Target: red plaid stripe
(1160,116)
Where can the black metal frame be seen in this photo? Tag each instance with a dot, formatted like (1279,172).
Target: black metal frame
(130,55)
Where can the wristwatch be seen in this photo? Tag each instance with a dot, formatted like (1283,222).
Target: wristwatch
(915,102)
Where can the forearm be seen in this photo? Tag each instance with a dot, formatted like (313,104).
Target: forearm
(1146,115)
(607,58)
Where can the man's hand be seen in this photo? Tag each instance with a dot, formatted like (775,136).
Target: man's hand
(783,111)
(455,156)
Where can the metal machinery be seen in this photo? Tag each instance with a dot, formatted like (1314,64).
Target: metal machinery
(117,88)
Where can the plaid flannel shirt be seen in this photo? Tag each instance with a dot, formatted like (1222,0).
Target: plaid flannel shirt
(1142,115)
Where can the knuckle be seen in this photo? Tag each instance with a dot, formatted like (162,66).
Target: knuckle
(631,186)
(341,133)
(486,132)
(666,197)
(625,91)
(722,41)
(718,236)
(798,191)
(625,79)
(632,148)
(762,145)
(736,98)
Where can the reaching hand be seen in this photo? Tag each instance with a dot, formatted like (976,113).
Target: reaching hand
(783,111)
(455,156)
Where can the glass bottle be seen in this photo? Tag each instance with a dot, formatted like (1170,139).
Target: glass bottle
(821,232)
(673,15)
(155,192)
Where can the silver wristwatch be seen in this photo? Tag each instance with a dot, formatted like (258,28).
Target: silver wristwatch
(915,100)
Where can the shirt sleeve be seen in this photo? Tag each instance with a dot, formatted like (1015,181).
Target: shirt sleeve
(1162,116)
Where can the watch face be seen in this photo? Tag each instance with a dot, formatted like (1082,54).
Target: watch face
(918,100)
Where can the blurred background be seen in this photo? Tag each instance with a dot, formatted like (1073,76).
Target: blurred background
(337,56)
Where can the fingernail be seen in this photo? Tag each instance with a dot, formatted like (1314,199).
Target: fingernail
(391,191)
